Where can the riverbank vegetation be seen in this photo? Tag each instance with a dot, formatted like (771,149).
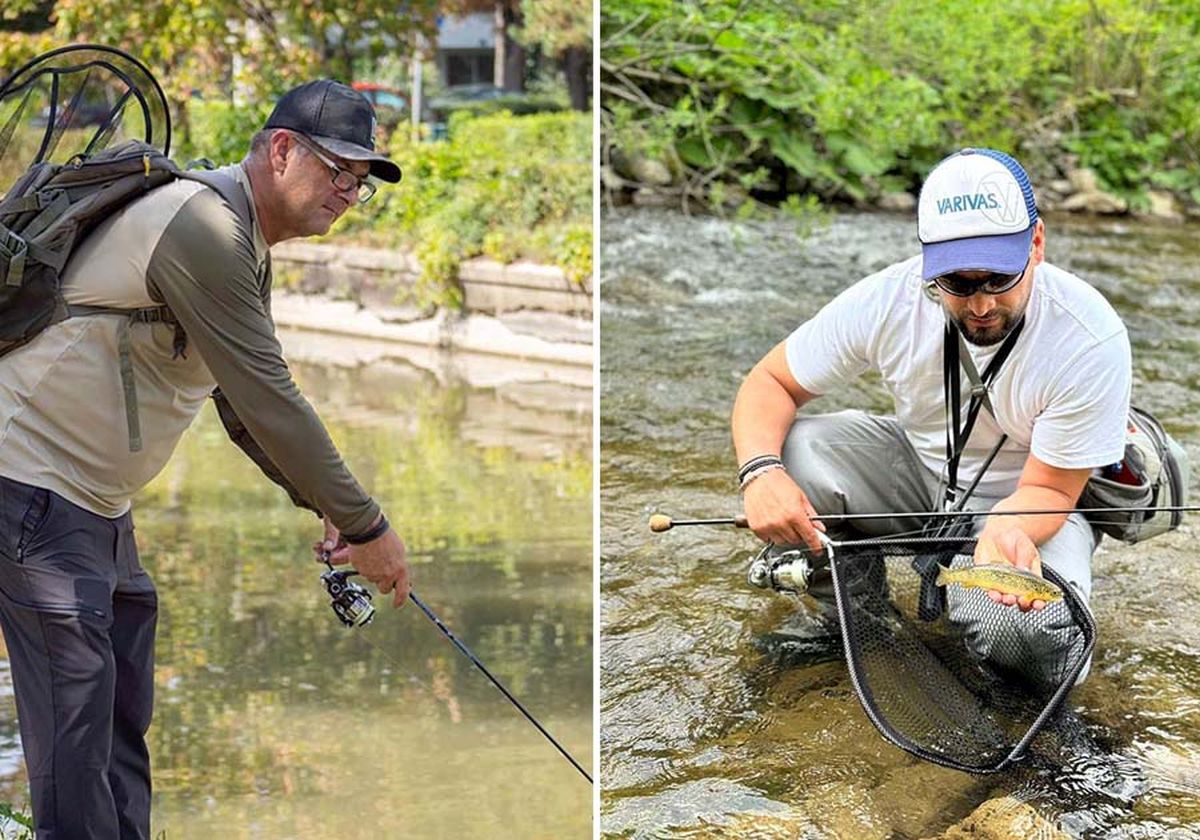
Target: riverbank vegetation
(15,823)
(500,185)
(717,100)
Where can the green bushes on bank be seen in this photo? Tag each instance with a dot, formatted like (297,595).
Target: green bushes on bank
(15,823)
(217,130)
(851,100)
(502,186)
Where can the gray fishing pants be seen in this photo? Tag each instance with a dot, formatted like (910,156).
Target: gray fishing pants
(78,614)
(853,462)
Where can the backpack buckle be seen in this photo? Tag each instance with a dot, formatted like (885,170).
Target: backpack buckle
(12,256)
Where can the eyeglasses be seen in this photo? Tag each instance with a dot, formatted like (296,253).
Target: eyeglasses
(993,284)
(343,179)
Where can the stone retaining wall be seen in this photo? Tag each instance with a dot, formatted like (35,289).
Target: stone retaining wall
(524,310)
(489,287)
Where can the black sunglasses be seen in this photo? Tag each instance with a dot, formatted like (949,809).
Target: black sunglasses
(993,284)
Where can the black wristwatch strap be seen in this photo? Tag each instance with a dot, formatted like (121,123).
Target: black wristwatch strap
(374,533)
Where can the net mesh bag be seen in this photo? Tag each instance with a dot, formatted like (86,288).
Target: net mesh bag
(942,671)
(78,100)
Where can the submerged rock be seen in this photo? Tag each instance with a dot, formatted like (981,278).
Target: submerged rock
(1083,181)
(1002,819)
(898,202)
(640,169)
(1164,205)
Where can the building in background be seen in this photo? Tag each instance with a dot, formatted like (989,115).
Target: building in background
(466,50)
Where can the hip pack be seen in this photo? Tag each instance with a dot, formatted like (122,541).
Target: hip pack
(1153,474)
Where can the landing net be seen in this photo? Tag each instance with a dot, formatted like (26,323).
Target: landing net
(944,672)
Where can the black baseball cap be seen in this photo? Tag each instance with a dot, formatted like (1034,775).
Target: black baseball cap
(337,118)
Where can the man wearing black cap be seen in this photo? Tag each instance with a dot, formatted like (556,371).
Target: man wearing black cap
(79,612)
(327,121)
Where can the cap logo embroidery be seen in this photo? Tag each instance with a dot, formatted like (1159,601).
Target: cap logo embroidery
(962,203)
(1009,210)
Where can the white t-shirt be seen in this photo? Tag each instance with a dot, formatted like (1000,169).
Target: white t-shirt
(1063,392)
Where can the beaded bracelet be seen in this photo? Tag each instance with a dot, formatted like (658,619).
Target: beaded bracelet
(755,463)
(765,468)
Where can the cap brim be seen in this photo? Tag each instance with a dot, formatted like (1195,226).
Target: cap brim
(381,167)
(1006,254)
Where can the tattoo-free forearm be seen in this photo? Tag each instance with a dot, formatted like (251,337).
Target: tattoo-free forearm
(1040,527)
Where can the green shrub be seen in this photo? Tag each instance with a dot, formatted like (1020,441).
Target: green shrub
(15,823)
(518,105)
(501,185)
(850,100)
(216,130)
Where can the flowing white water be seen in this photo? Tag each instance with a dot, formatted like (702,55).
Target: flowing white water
(723,707)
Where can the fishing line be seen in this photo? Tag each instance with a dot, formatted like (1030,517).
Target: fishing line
(421,683)
(451,550)
(386,654)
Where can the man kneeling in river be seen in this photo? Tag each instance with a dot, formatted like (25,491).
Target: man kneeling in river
(1055,391)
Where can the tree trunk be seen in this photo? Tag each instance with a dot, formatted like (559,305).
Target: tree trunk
(500,41)
(577,65)
(182,124)
(515,55)
(509,72)
(514,67)
(347,62)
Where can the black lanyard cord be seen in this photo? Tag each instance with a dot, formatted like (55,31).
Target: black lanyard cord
(954,356)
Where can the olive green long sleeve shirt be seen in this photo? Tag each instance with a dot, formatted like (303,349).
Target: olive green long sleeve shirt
(62,404)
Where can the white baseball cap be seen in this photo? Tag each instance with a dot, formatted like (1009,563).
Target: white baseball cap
(976,213)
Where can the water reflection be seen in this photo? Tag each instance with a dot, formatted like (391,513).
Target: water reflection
(724,710)
(274,721)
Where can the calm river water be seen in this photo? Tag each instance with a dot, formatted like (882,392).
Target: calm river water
(706,730)
(273,721)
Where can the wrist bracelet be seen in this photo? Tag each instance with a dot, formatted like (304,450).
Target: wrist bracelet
(378,530)
(766,468)
(755,463)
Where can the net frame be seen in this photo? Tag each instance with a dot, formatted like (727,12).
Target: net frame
(852,647)
(63,63)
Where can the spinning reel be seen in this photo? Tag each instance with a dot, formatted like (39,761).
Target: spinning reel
(351,602)
(786,571)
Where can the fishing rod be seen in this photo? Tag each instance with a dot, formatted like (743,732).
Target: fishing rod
(660,522)
(476,549)
(351,602)
(466,652)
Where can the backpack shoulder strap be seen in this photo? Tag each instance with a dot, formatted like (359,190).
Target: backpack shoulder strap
(228,188)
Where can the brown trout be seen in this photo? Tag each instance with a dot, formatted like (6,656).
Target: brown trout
(1003,578)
